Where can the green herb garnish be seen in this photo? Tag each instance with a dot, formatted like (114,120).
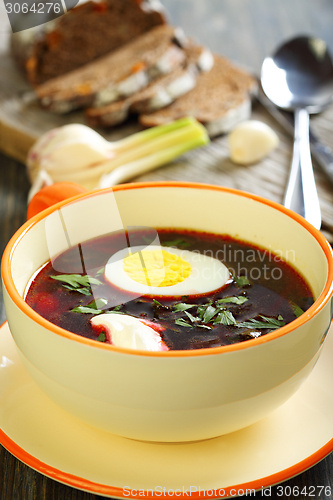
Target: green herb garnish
(116,309)
(181,306)
(179,242)
(193,319)
(182,322)
(239,300)
(209,314)
(93,307)
(241,280)
(99,303)
(201,311)
(158,304)
(77,282)
(83,290)
(86,310)
(101,337)
(270,323)
(100,271)
(225,318)
(221,316)
(296,309)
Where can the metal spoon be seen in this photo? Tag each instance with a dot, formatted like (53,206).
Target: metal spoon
(299,77)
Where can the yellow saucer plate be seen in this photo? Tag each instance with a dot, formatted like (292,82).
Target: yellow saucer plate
(42,435)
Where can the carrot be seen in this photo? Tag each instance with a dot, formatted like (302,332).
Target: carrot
(49,195)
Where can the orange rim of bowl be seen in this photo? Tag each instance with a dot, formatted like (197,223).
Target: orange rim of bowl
(24,307)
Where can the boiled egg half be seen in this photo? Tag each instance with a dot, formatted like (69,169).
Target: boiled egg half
(161,271)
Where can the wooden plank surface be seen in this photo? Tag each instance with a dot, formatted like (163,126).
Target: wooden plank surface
(244,30)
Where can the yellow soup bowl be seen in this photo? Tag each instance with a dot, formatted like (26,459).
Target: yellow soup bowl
(169,395)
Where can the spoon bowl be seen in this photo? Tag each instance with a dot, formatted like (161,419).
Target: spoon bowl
(299,77)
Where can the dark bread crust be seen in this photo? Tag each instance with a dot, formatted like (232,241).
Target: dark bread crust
(215,100)
(84,34)
(120,73)
(182,79)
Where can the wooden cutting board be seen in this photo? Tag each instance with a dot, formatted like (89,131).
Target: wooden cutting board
(23,121)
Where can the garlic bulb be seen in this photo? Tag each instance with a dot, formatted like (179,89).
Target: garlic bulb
(251,141)
(76,153)
(65,151)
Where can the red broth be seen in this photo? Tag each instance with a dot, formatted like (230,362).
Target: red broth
(266,293)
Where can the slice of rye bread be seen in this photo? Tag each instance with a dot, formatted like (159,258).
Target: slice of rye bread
(159,93)
(220,99)
(85,33)
(121,73)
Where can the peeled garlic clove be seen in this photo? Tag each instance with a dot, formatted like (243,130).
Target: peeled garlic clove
(251,141)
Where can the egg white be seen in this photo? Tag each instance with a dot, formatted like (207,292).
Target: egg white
(207,274)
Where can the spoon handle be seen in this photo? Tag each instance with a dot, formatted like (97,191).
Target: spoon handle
(322,153)
(301,194)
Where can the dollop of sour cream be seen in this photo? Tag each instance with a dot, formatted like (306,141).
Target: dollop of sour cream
(126,331)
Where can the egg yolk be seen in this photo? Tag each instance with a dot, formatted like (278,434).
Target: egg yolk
(156,268)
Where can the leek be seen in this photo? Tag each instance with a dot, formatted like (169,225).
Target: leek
(124,159)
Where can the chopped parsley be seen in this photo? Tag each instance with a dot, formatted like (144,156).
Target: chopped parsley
(205,316)
(193,319)
(218,314)
(225,317)
(296,309)
(238,300)
(209,313)
(179,242)
(114,311)
(241,280)
(270,323)
(181,306)
(118,307)
(100,271)
(93,307)
(158,304)
(77,282)
(182,322)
